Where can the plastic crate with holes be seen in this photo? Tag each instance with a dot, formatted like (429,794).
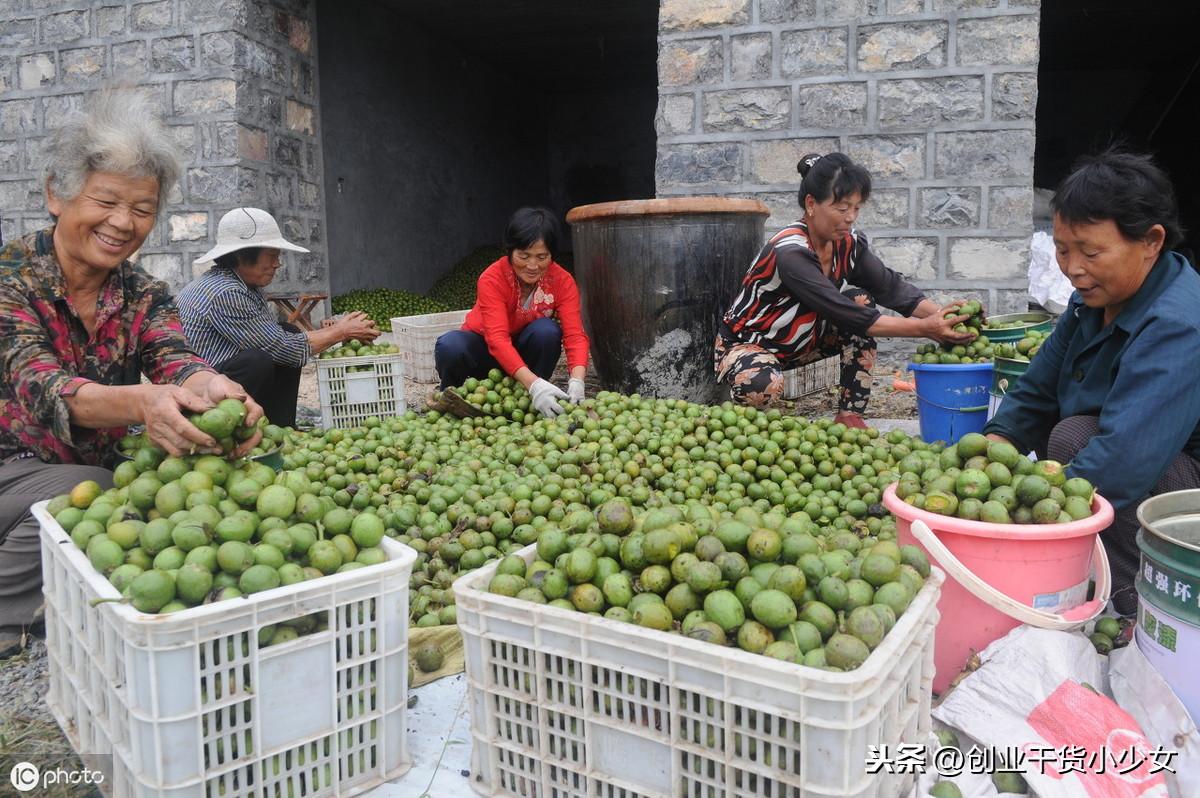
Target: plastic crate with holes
(569,705)
(820,375)
(192,704)
(416,335)
(352,389)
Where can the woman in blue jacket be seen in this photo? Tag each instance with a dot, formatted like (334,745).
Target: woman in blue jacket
(1112,391)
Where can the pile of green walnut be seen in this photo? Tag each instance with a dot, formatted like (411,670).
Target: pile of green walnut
(981,480)
(384,304)
(766,583)
(1024,349)
(354,348)
(978,350)
(225,422)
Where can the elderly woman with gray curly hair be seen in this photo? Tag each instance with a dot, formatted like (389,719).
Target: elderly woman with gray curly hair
(80,325)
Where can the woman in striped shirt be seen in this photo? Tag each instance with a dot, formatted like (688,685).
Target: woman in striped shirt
(811,293)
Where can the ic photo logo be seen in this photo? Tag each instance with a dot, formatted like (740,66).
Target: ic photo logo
(25,776)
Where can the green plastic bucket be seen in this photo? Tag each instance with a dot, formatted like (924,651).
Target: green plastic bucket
(1028,322)
(1005,374)
(1168,586)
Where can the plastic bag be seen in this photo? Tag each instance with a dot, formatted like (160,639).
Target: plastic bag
(1029,702)
(1048,286)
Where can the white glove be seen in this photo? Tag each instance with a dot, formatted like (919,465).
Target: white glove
(575,390)
(545,396)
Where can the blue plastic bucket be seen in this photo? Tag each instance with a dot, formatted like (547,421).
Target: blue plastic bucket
(952,400)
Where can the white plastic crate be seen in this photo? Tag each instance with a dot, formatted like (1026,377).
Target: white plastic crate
(416,335)
(819,375)
(348,398)
(189,704)
(566,705)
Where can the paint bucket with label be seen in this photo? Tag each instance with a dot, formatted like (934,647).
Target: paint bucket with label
(1168,586)
(1004,575)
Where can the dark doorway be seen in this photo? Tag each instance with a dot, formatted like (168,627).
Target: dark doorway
(439,118)
(1112,71)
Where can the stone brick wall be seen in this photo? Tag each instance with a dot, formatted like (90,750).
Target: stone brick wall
(935,97)
(236,82)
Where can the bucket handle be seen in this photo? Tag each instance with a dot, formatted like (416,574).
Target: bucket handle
(1074,618)
(978,409)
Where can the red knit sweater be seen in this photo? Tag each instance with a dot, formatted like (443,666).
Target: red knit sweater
(498,315)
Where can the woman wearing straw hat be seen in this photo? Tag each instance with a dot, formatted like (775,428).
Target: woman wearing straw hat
(229,324)
(79,327)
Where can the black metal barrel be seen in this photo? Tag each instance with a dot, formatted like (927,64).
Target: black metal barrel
(655,278)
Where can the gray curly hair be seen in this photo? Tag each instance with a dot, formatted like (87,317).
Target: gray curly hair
(118,131)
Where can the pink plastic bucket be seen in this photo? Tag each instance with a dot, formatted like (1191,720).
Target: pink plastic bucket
(1005,575)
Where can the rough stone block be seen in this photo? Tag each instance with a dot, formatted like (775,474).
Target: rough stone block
(235,12)
(129,59)
(690,61)
(750,56)
(1010,208)
(37,70)
(148,17)
(984,154)
(259,59)
(300,35)
(218,49)
(747,109)
(991,41)
(950,207)
(1024,3)
(676,114)
(302,77)
(309,194)
(926,102)
(698,164)
(110,21)
(279,190)
(684,15)
(915,258)
(782,205)
(287,151)
(199,97)
(1014,95)
(833,105)
(82,66)
(34,153)
(174,54)
(64,27)
(57,108)
(18,117)
(774,162)
(299,117)
(24,195)
(8,69)
(185,139)
(188,226)
(886,209)
(294,229)
(164,266)
(786,11)
(889,156)
(219,140)
(251,143)
(902,45)
(900,7)
(10,157)
(270,109)
(216,184)
(988,258)
(819,52)
(846,10)
(16,33)
(1011,301)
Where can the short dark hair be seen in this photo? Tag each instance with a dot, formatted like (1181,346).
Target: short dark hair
(239,257)
(530,225)
(833,175)
(1127,187)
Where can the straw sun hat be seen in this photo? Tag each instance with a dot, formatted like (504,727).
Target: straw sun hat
(247,227)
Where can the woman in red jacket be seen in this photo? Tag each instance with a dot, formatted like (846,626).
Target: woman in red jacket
(526,311)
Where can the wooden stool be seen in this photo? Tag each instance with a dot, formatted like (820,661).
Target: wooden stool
(298,307)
